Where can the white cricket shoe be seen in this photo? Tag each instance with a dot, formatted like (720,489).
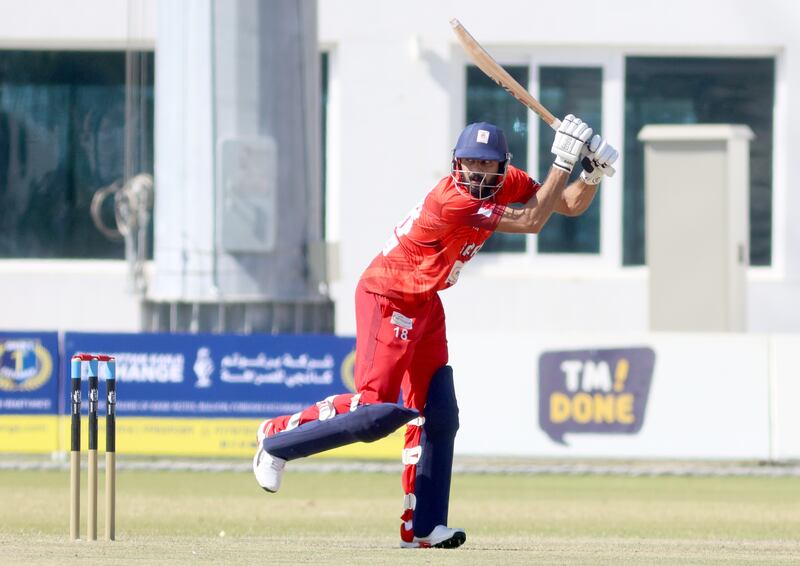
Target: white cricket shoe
(267,468)
(440,537)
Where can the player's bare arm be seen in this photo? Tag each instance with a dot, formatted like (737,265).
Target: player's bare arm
(577,197)
(569,140)
(531,217)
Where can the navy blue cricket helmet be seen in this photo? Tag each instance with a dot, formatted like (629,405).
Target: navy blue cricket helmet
(484,141)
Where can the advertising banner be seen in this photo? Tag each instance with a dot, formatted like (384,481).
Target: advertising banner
(586,395)
(600,391)
(29,389)
(555,395)
(205,375)
(203,394)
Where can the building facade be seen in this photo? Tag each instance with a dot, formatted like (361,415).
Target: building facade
(396,92)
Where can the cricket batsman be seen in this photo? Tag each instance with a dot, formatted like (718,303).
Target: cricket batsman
(401,343)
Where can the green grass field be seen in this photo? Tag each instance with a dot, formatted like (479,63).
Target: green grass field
(353,518)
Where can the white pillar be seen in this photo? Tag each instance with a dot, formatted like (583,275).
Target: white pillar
(237,172)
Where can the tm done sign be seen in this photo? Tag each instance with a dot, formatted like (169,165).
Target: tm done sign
(594,391)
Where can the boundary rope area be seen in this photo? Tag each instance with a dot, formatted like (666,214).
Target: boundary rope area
(462,466)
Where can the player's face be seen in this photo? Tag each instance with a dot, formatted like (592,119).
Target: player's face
(480,166)
(481,174)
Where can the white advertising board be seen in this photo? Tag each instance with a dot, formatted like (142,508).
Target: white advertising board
(704,396)
(785,397)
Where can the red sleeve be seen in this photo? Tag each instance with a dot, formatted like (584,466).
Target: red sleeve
(519,185)
(464,211)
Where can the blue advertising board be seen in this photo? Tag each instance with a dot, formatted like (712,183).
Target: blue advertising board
(207,376)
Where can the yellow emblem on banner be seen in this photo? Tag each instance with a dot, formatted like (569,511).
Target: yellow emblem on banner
(22,377)
(347,371)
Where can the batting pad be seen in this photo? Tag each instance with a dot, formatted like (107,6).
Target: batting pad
(366,423)
(435,467)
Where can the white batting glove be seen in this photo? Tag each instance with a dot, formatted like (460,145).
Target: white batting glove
(597,164)
(570,137)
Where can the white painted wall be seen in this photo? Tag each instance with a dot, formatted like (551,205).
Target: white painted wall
(74,295)
(396,106)
(80,24)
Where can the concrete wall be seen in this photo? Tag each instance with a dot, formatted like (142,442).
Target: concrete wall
(77,24)
(63,294)
(74,295)
(396,106)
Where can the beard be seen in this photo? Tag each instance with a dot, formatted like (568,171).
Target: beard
(480,184)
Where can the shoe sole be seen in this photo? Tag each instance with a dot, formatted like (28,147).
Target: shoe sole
(454,541)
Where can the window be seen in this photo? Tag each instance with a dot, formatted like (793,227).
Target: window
(576,90)
(561,90)
(692,91)
(62,137)
(487,102)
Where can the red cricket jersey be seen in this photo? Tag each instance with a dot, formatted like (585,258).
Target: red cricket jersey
(427,250)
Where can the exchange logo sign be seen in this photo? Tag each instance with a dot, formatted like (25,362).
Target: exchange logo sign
(25,365)
(594,391)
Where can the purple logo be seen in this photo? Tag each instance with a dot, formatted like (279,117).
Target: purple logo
(594,391)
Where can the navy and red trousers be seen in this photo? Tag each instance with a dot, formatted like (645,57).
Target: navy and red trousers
(399,347)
